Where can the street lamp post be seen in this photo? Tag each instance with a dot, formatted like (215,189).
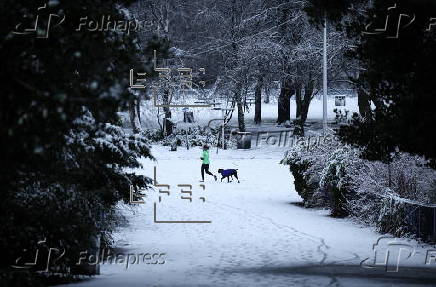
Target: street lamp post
(324,97)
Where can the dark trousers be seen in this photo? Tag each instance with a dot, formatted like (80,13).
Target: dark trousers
(205,167)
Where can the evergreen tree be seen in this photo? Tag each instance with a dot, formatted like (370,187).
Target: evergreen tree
(396,73)
(63,154)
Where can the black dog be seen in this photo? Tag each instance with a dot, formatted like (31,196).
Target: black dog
(228,173)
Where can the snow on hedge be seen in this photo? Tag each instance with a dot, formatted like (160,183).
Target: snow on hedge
(332,174)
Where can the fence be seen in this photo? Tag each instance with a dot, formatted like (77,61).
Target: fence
(409,216)
(421,221)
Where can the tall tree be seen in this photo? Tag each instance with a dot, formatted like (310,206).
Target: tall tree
(395,67)
(64,158)
(286,83)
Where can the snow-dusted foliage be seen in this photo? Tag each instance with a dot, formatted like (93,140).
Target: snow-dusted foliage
(192,136)
(331,174)
(73,208)
(63,169)
(104,139)
(336,180)
(195,136)
(307,163)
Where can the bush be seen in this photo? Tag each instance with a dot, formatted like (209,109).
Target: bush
(306,164)
(337,182)
(72,208)
(192,136)
(302,185)
(392,217)
(379,194)
(64,157)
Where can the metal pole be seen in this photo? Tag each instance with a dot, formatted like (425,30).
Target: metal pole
(434,225)
(224,122)
(419,221)
(324,97)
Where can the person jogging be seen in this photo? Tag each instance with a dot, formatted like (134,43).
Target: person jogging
(205,163)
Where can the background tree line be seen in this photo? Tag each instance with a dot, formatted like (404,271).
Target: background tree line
(247,46)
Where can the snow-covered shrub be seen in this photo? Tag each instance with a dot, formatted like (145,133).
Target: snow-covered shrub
(406,177)
(411,178)
(392,217)
(302,184)
(375,193)
(306,163)
(57,173)
(389,195)
(341,116)
(335,178)
(71,207)
(192,136)
(152,135)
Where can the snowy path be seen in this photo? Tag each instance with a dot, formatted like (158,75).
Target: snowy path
(256,237)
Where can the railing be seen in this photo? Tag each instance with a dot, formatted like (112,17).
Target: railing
(417,218)
(421,221)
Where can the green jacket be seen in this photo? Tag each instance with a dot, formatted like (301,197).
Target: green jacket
(205,157)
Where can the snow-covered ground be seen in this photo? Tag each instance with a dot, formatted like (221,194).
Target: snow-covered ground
(269,112)
(257,235)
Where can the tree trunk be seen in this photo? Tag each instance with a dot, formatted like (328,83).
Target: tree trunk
(308,94)
(284,101)
(267,93)
(303,104)
(258,102)
(136,127)
(363,102)
(138,108)
(298,100)
(241,120)
(167,112)
(378,102)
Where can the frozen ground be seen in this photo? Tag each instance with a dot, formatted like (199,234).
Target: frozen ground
(257,235)
(269,112)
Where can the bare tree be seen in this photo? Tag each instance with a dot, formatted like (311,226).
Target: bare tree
(245,45)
